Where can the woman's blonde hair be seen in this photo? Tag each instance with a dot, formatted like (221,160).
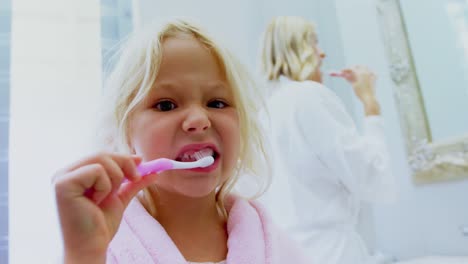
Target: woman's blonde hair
(288,48)
(134,75)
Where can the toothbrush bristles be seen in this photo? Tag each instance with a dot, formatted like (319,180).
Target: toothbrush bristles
(206,161)
(198,155)
(202,154)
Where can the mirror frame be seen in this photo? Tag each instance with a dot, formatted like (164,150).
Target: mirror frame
(429,161)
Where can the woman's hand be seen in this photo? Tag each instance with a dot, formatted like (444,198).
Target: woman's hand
(363,82)
(91,197)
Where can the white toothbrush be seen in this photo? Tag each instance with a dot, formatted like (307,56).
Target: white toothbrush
(163,164)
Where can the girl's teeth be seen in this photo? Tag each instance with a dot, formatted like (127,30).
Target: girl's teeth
(194,156)
(204,153)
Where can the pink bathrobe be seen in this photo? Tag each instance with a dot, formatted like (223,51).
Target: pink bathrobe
(253,239)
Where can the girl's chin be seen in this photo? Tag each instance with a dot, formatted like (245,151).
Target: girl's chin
(190,190)
(196,194)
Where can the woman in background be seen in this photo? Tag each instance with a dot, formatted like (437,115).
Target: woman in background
(323,168)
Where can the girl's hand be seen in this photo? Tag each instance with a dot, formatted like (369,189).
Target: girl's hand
(91,197)
(363,82)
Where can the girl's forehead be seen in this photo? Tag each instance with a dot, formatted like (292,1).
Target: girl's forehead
(189,54)
(185,59)
(183,87)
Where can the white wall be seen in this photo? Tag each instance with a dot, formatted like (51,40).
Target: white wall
(426,219)
(55,84)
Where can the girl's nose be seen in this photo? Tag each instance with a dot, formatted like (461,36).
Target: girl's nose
(196,121)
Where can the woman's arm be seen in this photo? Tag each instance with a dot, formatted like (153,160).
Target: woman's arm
(363,82)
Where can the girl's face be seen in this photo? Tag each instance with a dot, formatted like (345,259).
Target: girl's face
(190,110)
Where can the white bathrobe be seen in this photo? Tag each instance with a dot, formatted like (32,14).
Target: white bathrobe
(322,170)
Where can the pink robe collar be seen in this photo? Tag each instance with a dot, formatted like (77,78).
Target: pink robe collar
(251,238)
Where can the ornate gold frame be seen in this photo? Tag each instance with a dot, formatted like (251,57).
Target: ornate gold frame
(429,161)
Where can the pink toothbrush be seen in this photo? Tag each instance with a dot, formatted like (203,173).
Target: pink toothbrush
(163,164)
(336,74)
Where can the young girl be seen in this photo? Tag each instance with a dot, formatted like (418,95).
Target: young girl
(174,94)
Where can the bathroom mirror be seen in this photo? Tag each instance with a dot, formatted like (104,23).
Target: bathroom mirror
(427,51)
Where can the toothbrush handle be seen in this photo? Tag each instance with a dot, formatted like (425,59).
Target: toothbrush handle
(155,166)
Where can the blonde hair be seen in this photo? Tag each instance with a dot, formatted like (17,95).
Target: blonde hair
(133,77)
(288,48)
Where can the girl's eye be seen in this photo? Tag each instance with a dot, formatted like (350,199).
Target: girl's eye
(165,106)
(217,104)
